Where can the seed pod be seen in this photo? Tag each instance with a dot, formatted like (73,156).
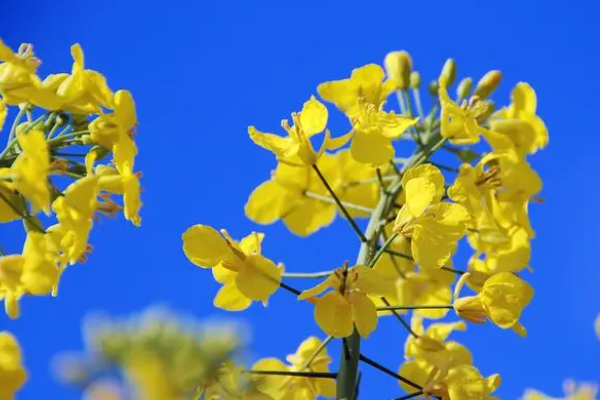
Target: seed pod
(487,84)
(398,66)
(449,71)
(464,88)
(415,80)
(433,88)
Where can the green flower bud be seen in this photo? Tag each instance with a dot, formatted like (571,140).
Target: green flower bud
(415,80)
(433,88)
(449,71)
(487,84)
(464,88)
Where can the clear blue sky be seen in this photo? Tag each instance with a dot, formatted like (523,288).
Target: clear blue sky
(202,71)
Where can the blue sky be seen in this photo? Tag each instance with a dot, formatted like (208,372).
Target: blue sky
(201,72)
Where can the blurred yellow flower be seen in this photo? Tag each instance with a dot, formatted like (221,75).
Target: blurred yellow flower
(12,373)
(246,275)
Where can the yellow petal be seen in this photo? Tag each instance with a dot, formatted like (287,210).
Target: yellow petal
(429,172)
(330,282)
(313,117)
(420,194)
(230,298)
(281,147)
(333,314)
(371,148)
(259,278)
(204,246)
(6,54)
(268,203)
(364,313)
(3,111)
(273,385)
(308,216)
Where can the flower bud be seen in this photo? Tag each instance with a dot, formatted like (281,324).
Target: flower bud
(415,80)
(485,109)
(449,71)
(464,88)
(433,88)
(487,84)
(398,66)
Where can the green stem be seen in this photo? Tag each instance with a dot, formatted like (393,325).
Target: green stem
(2,252)
(400,319)
(398,254)
(355,226)
(289,289)
(60,139)
(382,249)
(13,129)
(456,271)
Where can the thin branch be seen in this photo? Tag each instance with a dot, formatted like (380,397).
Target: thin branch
(388,371)
(409,396)
(305,374)
(399,318)
(356,228)
(319,349)
(424,307)
(456,271)
(326,199)
(322,274)
(289,289)
(398,254)
(382,249)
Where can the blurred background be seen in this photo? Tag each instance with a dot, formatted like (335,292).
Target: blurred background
(201,72)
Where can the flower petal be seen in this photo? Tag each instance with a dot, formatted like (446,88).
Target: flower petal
(333,314)
(204,246)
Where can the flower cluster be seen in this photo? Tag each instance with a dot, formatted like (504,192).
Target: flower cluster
(418,212)
(51,175)
(161,356)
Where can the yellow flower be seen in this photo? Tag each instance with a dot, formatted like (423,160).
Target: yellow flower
(108,130)
(149,377)
(374,131)
(431,346)
(296,149)
(19,82)
(124,182)
(462,382)
(511,256)
(7,213)
(231,383)
(75,211)
(246,275)
(85,90)
(3,112)
(35,272)
(285,197)
(426,287)
(519,121)
(459,123)
(348,304)
(353,182)
(433,226)
(12,373)
(366,83)
(30,170)
(291,387)
(502,299)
